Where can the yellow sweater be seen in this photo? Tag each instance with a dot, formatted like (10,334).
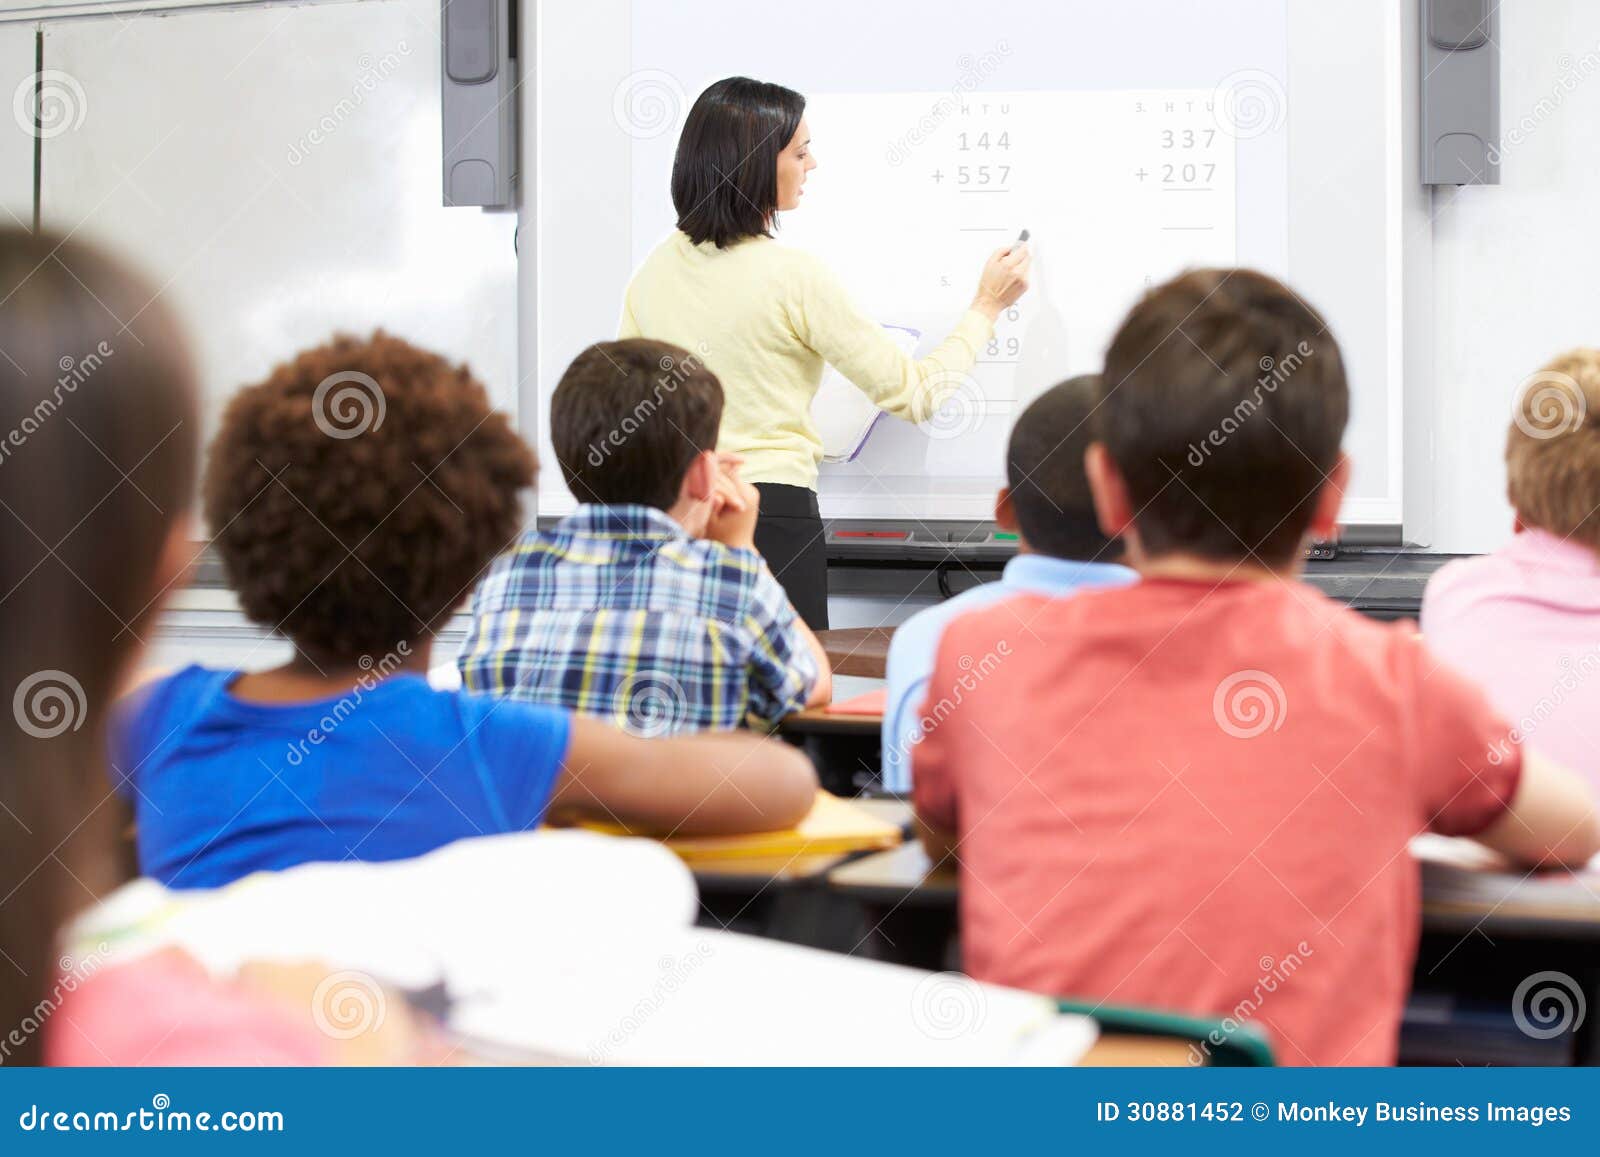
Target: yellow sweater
(765,317)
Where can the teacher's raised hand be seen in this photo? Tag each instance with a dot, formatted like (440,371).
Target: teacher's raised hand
(1004,280)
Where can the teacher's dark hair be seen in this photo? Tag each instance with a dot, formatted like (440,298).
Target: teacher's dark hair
(725,176)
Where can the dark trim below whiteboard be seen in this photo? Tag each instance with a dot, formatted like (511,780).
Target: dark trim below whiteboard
(1382,583)
(848,540)
(1385,584)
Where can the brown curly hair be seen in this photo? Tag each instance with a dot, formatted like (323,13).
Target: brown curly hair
(358,492)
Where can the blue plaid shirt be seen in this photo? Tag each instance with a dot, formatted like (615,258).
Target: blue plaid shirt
(617,612)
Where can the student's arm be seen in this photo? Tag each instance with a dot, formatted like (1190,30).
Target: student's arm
(1475,780)
(711,784)
(933,759)
(1551,819)
(939,843)
(828,320)
(822,689)
(788,667)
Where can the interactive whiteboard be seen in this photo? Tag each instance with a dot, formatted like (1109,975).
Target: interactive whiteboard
(1132,140)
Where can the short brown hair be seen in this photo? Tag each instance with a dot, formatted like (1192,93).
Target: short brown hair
(1044,472)
(627,419)
(1223,406)
(1553,448)
(358,492)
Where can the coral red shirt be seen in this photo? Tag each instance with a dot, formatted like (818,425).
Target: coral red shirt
(1198,796)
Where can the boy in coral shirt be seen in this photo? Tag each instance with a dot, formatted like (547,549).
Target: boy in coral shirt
(1164,792)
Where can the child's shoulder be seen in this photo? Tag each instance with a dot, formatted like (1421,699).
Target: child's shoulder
(1468,579)
(930,623)
(985,624)
(512,733)
(154,715)
(987,616)
(477,707)
(734,568)
(163,693)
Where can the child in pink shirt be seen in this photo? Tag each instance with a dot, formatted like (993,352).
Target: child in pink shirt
(1196,793)
(1524,622)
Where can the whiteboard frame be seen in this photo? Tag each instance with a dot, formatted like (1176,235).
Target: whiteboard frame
(1402,250)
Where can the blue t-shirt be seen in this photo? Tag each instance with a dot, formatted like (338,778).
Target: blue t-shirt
(222,787)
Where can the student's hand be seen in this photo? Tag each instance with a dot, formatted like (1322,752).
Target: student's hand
(734,509)
(1004,280)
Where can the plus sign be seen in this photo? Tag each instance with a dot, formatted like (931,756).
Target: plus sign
(937,175)
(1141,174)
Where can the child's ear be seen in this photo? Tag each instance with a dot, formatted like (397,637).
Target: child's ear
(1111,506)
(1325,518)
(700,480)
(1005,514)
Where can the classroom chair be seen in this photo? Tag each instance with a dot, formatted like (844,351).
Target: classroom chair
(1244,1047)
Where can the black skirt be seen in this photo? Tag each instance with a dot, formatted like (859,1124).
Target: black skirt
(789,536)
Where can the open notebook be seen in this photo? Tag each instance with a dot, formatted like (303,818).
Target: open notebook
(574,948)
(844,416)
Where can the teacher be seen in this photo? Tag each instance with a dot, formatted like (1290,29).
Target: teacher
(765,317)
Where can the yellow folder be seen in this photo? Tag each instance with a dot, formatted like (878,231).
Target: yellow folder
(833,826)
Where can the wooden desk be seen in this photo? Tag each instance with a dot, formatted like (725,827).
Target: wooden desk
(782,897)
(1455,898)
(862,651)
(1481,922)
(820,721)
(1510,903)
(897,877)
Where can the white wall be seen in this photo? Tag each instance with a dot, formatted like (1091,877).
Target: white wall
(16,139)
(1515,275)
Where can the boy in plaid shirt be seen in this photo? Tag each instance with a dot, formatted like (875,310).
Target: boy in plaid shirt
(649,605)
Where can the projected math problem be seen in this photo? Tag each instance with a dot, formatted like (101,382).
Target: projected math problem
(1118,189)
